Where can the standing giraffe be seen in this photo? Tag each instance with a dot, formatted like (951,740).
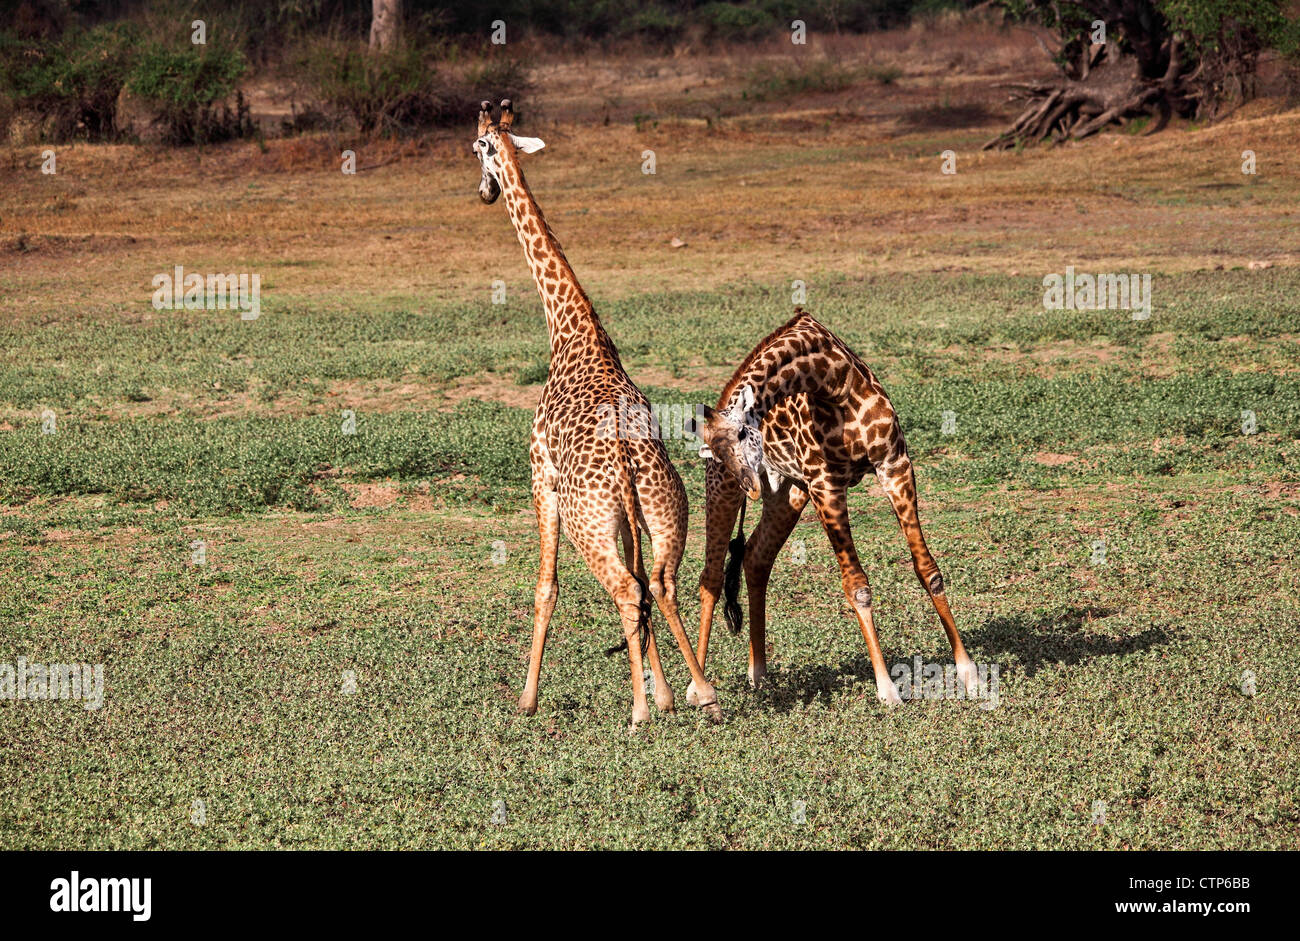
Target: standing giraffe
(804,418)
(596,470)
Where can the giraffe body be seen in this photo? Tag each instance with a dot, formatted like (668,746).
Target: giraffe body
(594,475)
(802,420)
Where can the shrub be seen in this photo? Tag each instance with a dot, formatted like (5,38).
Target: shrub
(70,84)
(819,75)
(733,21)
(492,79)
(403,89)
(884,74)
(386,90)
(653,24)
(189,91)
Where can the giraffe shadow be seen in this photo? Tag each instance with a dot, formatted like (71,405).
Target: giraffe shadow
(1056,637)
(1059,637)
(791,687)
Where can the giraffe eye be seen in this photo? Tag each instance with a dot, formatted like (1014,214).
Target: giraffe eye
(744,433)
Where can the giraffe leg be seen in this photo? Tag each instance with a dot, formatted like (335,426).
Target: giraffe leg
(663,692)
(780,513)
(832,507)
(899,484)
(666,520)
(596,530)
(627,595)
(547,505)
(626,592)
(668,549)
(722,502)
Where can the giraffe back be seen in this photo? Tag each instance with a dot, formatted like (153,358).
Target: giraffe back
(806,434)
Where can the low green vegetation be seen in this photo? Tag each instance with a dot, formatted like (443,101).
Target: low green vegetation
(341,670)
(783,81)
(72,83)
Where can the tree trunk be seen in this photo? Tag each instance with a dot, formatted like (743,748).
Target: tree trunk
(385,27)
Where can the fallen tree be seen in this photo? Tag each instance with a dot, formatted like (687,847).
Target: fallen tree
(1126,59)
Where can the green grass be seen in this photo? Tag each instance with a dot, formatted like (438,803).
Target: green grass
(1118,683)
(905,326)
(256,462)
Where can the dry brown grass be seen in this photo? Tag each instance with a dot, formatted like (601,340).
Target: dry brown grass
(847,182)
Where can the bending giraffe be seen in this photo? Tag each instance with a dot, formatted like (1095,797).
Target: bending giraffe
(601,480)
(803,419)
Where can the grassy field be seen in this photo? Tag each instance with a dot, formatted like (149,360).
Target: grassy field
(343,668)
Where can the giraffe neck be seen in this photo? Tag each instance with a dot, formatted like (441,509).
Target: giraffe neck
(568,309)
(802,357)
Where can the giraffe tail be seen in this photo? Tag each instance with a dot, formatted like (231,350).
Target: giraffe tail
(638,570)
(731,581)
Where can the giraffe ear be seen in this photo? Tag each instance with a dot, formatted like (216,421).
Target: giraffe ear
(691,425)
(747,396)
(694,426)
(527,145)
(701,417)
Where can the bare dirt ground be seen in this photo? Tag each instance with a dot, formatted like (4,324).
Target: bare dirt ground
(755,185)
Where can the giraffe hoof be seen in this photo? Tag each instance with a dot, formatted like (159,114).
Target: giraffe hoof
(971,678)
(706,699)
(640,715)
(664,700)
(887,693)
(527,707)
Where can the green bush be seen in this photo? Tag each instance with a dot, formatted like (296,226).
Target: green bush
(669,20)
(72,83)
(404,89)
(189,91)
(492,79)
(1210,24)
(734,21)
(653,24)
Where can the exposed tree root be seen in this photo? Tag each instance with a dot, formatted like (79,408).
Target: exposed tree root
(1104,86)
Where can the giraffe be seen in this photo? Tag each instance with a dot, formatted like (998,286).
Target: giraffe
(803,419)
(598,472)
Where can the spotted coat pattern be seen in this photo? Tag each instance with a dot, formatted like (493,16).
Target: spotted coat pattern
(596,472)
(804,419)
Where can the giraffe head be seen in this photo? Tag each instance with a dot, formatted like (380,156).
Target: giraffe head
(734,438)
(498,149)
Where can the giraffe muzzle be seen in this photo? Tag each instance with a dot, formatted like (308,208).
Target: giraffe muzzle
(488,190)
